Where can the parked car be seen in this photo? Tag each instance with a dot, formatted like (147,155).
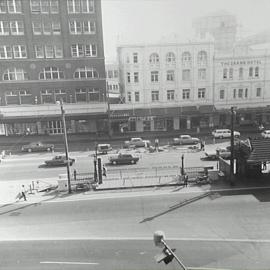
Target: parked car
(59,161)
(185,139)
(266,134)
(104,148)
(224,133)
(136,142)
(123,159)
(37,147)
(222,152)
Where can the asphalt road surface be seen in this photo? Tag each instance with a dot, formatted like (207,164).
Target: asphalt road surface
(224,230)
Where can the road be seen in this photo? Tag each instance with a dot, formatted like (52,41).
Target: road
(226,230)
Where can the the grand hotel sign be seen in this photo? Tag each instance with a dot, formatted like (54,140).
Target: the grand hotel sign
(250,62)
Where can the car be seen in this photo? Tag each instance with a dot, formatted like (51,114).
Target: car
(219,152)
(59,161)
(224,133)
(185,139)
(104,148)
(37,147)
(136,142)
(266,134)
(123,159)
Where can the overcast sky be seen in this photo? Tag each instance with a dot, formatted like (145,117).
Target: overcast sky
(148,21)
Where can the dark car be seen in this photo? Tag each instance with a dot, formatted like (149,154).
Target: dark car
(59,161)
(123,159)
(37,147)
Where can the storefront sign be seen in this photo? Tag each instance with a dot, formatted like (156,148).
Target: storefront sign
(241,62)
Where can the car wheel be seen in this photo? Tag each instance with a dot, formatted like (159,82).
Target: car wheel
(132,162)
(29,150)
(114,162)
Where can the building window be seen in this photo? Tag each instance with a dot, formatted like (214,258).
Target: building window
(37,30)
(136,77)
(127,59)
(202,58)
(231,73)
(51,73)
(87,6)
(44,6)
(54,6)
(146,125)
(79,50)
(240,93)
(155,95)
(90,50)
(170,94)
(234,93)
(186,94)
(221,94)
(128,77)
(170,58)
(75,27)
(186,59)
(129,96)
(39,51)
(49,51)
(81,95)
(89,27)
(47,96)
(115,73)
(14,6)
(19,51)
(154,58)
(86,73)
(16,28)
(4,28)
(135,58)
(170,75)
(15,74)
(202,74)
(258,92)
(186,75)
(257,72)
(5,52)
(241,73)
(246,92)
(56,28)
(137,96)
(74,6)
(250,72)
(201,93)
(225,73)
(47,27)
(3,6)
(77,6)
(154,76)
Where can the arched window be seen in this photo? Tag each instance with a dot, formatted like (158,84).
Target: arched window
(170,58)
(15,74)
(186,58)
(85,73)
(202,57)
(51,73)
(154,58)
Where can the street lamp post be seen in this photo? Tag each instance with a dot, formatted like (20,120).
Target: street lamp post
(232,146)
(182,165)
(108,110)
(66,144)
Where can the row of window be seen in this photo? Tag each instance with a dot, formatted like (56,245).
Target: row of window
(240,93)
(50,73)
(201,94)
(170,75)
(47,6)
(52,95)
(253,72)
(112,74)
(171,58)
(113,87)
(47,51)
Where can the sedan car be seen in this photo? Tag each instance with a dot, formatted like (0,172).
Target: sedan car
(219,152)
(104,148)
(59,161)
(136,142)
(37,147)
(123,159)
(224,133)
(185,139)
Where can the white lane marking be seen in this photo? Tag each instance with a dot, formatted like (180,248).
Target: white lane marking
(73,263)
(206,268)
(193,239)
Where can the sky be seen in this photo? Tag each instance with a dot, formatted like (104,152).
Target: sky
(153,21)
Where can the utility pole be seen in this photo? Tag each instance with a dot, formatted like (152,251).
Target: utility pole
(66,144)
(232,147)
(108,110)
(182,164)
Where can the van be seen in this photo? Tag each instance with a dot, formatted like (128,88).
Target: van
(224,133)
(104,148)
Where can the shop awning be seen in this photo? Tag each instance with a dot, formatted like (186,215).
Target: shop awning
(260,151)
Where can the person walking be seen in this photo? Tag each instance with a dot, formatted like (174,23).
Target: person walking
(23,191)
(156,144)
(185,180)
(104,170)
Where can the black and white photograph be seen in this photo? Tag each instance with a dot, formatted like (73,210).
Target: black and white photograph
(134,134)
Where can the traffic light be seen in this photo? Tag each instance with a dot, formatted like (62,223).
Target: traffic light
(99,171)
(166,256)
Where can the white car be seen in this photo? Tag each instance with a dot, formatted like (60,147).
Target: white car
(136,142)
(266,134)
(185,139)
(224,133)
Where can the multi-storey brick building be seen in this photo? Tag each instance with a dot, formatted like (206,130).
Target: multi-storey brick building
(51,50)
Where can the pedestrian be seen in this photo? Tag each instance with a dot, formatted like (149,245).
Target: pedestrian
(156,144)
(23,191)
(104,170)
(264,165)
(185,180)
(202,145)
